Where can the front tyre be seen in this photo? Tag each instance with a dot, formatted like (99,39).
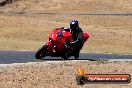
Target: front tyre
(41,52)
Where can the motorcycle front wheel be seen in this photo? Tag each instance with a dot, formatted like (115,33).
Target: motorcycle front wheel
(41,52)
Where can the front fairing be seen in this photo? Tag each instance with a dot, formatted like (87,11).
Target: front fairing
(59,39)
(53,35)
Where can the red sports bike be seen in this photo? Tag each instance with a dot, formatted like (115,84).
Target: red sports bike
(58,45)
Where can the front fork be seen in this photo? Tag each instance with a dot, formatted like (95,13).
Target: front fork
(51,49)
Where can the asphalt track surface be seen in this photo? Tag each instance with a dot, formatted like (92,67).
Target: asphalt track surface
(9,57)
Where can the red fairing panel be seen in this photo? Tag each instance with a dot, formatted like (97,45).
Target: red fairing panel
(53,35)
(86,36)
(50,45)
(68,36)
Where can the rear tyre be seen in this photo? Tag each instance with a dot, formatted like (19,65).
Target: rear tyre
(76,54)
(65,56)
(41,52)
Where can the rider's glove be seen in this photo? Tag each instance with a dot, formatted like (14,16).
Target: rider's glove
(75,43)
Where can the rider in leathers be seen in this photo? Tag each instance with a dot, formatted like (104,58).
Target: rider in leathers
(77,35)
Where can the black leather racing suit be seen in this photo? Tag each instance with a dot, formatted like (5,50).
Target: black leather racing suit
(78,39)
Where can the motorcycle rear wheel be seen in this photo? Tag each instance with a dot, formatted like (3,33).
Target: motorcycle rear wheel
(65,56)
(41,52)
(76,54)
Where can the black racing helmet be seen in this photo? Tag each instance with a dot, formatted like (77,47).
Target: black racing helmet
(74,24)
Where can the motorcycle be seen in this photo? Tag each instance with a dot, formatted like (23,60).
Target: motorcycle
(58,45)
